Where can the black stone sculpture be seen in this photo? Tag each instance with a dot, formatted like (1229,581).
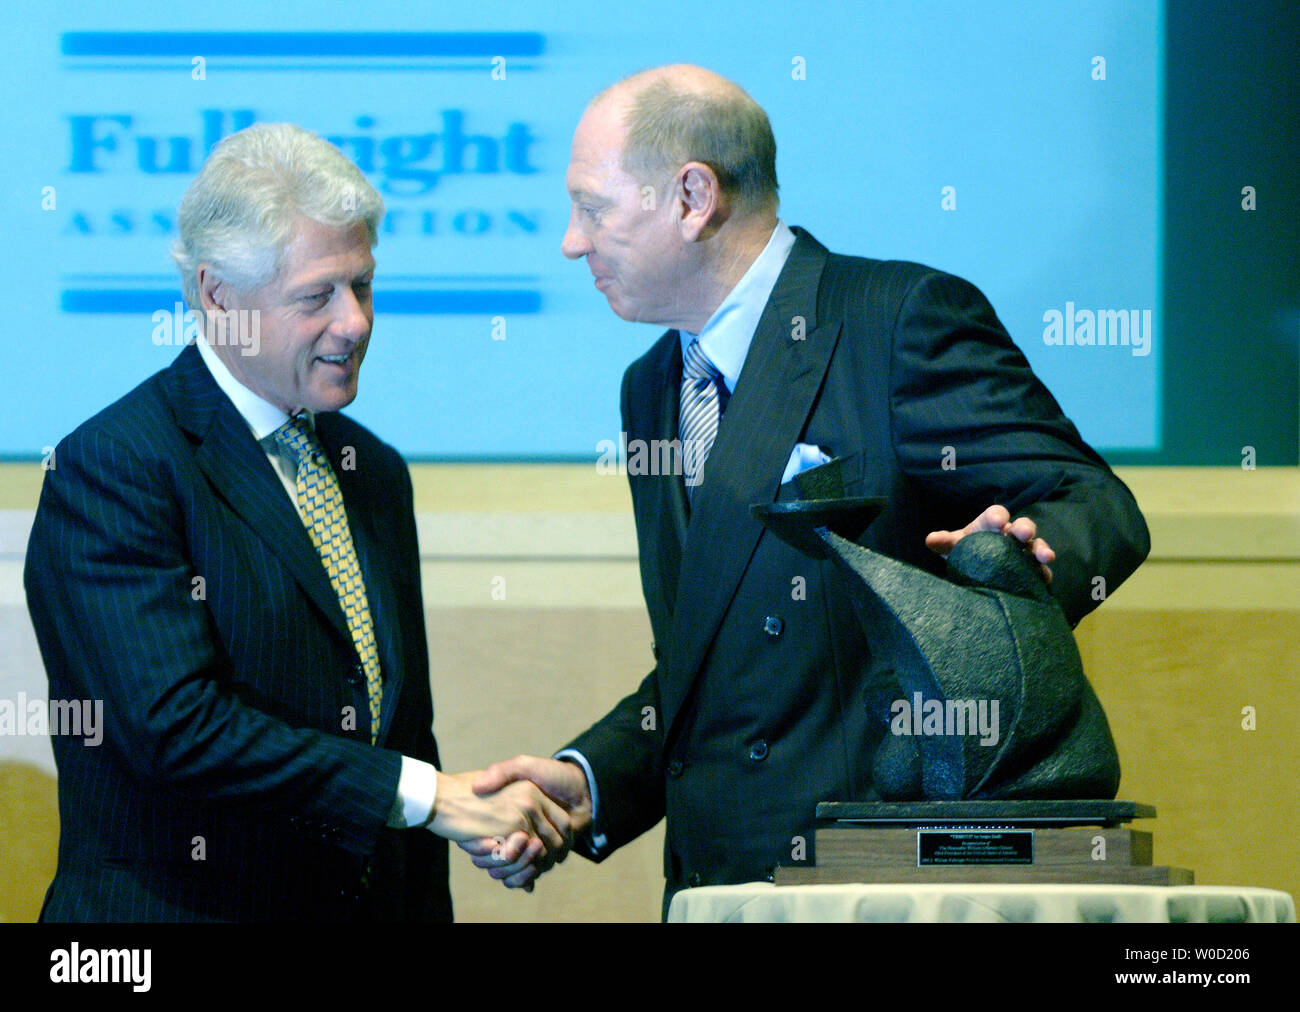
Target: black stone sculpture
(990,632)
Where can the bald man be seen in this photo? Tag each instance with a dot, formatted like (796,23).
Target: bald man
(780,356)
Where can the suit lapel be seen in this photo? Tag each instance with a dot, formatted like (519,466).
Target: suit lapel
(769,409)
(671,511)
(670,418)
(238,469)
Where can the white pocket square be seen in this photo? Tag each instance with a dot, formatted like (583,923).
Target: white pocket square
(804,457)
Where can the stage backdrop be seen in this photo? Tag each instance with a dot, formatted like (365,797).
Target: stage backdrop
(1017,144)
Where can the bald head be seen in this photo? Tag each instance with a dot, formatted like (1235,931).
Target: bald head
(672,189)
(682,113)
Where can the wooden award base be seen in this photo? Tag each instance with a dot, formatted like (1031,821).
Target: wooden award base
(977,849)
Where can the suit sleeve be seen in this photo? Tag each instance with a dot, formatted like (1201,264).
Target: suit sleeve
(109,585)
(625,751)
(974,426)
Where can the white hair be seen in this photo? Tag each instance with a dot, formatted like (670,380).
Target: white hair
(240,211)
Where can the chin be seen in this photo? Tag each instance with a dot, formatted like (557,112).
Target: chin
(622,312)
(334,400)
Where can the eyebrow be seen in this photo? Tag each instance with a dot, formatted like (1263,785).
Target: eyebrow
(309,283)
(581,193)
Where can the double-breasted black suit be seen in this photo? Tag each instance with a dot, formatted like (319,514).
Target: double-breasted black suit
(758,707)
(169,575)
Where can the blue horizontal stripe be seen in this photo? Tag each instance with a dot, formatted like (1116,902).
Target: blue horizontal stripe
(437,302)
(476,277)
(431,302)
(332,44)
(299,68)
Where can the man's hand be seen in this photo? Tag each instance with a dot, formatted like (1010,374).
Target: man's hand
(516,860)
(997,518)
(518,810)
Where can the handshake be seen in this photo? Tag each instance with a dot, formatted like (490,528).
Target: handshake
(517,818)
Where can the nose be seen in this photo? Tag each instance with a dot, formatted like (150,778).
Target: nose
(354,314)
(575,244)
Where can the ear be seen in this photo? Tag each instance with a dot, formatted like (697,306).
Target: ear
(213,292)
(702,202)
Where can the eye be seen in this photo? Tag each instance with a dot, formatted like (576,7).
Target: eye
(317,298)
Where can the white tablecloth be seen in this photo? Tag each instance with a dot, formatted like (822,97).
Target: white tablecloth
(899,903)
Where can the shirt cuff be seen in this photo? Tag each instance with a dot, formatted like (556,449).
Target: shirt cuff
(597,839)
(417,791)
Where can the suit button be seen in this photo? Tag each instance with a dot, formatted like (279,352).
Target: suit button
(675,768)
(696,880)
(758,750)
(358,675)
(773,626)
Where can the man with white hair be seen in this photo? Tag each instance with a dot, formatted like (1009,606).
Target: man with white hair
(231,566)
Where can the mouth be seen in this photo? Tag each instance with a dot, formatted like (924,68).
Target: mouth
(341,362)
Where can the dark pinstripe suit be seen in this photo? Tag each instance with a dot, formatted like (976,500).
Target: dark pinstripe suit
(765,697)
(169,575)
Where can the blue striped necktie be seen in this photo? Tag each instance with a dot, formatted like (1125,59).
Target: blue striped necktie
(699,415)
(320,504)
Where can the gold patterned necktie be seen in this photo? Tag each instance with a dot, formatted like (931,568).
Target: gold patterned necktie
(320,504)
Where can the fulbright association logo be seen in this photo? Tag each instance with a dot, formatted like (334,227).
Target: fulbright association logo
(462,172)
